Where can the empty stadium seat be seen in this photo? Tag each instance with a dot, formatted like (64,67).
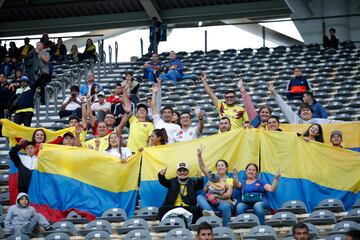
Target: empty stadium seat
(96,225)
(97,235)
(223,233)
(114,215)
(319,217)
(245,220)
(282,219)
(353,215)
(4,164)
(138,234)
(331,204)
(18,237)
(148,213)
(132,224)
(261,232)
(294,206)
(214,221)
(356,204)
(344,226)
(179,233)
(57,236)
(336,237)
(64,227)
(169,223)
(4,179)
(76,218)
(4,198)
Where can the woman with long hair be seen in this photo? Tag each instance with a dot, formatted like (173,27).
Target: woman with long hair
(314,133)
(158,137)
(115,147)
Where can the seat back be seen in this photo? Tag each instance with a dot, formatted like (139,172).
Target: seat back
(179,233)
(97,235)
(148,213)
(294,206)
(65,226)
(57,236)
(136,222)
(138,234)
(99,225)
(223,233)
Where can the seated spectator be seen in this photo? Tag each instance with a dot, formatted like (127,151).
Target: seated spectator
(224,124)
(116,97)
(94,91)
(331,41)
(152,70)
(318,110)
(273,124)
(58,51)
(158,137)
(85,89)
(90,51)
(42,68)
(224,204)
(181,191)
(297,86)
(25,163)
(187,132)
(314,133)
(23,218)
(253,191)
(26,48)
(306,111)
(69,139)
(23,101)
(6,93)
(13,51)
(229,108)
(336,138)
(74,54)
(353,234)
(132,87)
(101,107)
(166,113)
(48,44)
(205,231)
(174,68)
(72,104)
(300,231)
(15,84)
(115,147)
(99,128)
(3,52)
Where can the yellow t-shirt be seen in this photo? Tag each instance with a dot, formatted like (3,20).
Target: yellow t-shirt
(139,133)
(236,114)
(178,200)
(229,181)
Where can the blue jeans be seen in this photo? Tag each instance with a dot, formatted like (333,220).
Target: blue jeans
(259,208)
(224,207)
(171,75)
(149,74)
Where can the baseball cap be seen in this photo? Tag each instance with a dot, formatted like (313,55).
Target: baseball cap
(336,132)
(24,79)
(101,94)
(182,165)
(68,134)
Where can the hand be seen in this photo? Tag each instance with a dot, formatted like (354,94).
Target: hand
(78,128)
(97,142)
(123,160)
(198,174)
(22,141)
(90,147)
(200,150)
(278,174)
(158,80)
(246,125)
(41,146)
(272,89)
(141,149)
(127,107)
(203,77)
(200,115)
(163,171)
(235,171)
(241,85)
(156,88)
(146,65)
(307,139)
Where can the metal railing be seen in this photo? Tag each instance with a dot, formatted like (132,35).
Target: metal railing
(116,53)
(110,59)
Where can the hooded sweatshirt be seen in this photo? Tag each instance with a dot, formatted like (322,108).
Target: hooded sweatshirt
(18,216)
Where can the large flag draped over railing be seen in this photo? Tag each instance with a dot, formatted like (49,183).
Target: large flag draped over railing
(85,180)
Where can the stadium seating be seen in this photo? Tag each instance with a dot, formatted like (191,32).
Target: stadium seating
(245,220)
(179,233)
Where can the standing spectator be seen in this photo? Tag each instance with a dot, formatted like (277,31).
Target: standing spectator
(181,191)
(3,52)
(166,112)
(273,124)
(154,36)
(175,69)
(336,138)
(72,104)
(300,231)
(224,124)
(116,149)
(74,54)
(314,133)
(47,43)
(6,94)
(152,70)
(8,66)
(297,86)
(331,41)
(132,87)
(101,107)
(42,69)
(13,52)
(26,48)
(229,108)
(187,132)
(58,51)
(318,110)
(205,232)
(85,89)
(90,51)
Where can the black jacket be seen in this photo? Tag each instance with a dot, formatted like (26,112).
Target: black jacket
(173,185)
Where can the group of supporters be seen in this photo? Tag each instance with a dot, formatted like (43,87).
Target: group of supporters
(103,117)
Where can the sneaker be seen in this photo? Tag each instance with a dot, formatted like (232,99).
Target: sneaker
(208,213)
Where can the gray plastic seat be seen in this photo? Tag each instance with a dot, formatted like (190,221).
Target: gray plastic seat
(132,224)
(96,225)
(336,237)
(294,206)
(282,219)
(214,221)
(4,164)
(321,217)
(114,215)
(353,215)
(148,213)
(57,236)
(76,218)
(169,223)
(223,233)
(97,235)
(344,226)
(138,234)
(331,204)
(261,232)
(18,237)
(64,227)
(179,233)
(244,220)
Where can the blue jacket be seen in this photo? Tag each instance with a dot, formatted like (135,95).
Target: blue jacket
(178,63)
(84,89)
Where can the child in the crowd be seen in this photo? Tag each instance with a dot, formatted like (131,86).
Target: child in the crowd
(115,147)
(22,218)
(215,186)
(25,163)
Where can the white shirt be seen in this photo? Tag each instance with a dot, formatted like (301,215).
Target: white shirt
(28,161)
(125,152)
(170,128)
(72,105)
(186,135)
(96,107)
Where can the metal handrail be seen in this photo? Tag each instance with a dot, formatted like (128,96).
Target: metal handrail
(110,58)
(116,52)
(104,63)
